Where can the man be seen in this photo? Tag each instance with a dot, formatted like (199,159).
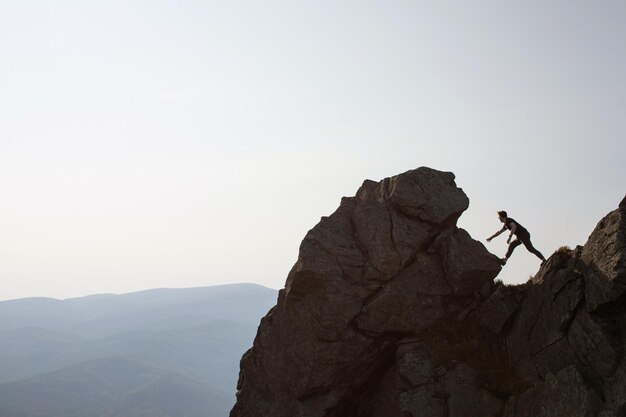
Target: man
(521,234)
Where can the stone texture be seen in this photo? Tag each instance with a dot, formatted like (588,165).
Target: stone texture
(467,263)
(391,310)
(466,398)
(415,364)
(498,309)
(564,395)
(423,401)
(605,260)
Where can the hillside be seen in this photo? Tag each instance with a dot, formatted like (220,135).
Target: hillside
(127,355)
(110,387)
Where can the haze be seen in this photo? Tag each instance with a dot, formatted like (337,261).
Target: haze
(188,143)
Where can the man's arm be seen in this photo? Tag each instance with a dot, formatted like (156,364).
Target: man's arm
(513,229)
(498,233)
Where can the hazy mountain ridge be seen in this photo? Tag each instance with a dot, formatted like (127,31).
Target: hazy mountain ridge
(108,387)
(188,339)
(213,302)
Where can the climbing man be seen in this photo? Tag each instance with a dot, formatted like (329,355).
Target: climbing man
(521,234)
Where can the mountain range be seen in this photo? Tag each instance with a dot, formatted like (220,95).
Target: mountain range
(158,353)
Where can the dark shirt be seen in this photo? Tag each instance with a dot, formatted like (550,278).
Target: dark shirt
(520,230)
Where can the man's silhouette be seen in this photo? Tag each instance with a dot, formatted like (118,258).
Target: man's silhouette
(521,235)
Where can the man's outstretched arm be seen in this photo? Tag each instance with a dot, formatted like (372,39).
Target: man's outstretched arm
(498,233)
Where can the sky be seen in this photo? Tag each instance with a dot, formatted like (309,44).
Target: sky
(186,143)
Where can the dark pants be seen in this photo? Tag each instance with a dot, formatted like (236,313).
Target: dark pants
(525,239)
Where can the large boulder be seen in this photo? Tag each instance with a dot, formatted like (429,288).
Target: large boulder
(391,310)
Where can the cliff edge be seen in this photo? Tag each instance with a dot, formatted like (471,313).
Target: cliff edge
(391,310)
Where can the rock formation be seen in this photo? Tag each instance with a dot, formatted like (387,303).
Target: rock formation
(391,310)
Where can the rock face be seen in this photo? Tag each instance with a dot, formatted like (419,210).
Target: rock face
(391,310)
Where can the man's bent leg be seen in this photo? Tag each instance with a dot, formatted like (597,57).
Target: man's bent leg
(512,247)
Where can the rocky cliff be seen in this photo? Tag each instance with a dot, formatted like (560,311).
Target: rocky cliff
(391,310)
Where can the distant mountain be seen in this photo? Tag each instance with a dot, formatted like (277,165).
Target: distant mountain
(111,387)
(186,342)
(102,314)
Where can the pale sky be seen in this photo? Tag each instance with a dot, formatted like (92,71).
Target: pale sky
(150,144)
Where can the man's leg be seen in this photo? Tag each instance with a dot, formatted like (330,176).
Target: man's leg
(512,247)
(526,241)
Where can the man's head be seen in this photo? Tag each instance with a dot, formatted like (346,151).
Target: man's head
(502,215)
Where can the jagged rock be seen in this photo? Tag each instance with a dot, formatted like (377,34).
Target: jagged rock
(466,398)
(498,309)
(423,401)
(605,260)
(564,395)
(467,263)
(391,310)
(594,346)
(424,193)
(374,231)
(614,390)
(405,303)
(336,297)
(415,364)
